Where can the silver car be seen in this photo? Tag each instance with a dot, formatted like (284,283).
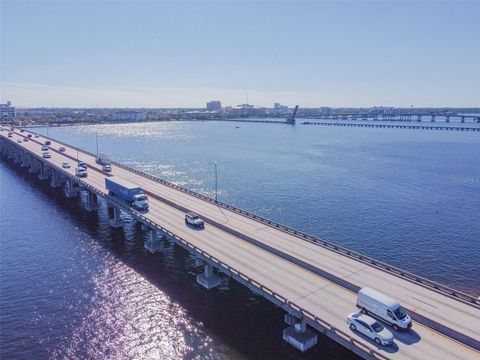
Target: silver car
(66,165)
(370,327)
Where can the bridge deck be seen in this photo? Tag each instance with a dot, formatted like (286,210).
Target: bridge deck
(315,278)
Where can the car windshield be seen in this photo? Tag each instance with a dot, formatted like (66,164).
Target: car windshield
(400,313)
(141,197)
(195,218)
(377,327)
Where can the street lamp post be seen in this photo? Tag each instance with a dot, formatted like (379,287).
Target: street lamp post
(96,142)
(216,181)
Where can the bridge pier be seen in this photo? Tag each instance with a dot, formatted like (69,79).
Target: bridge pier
(92,201)
(154,242)
(70,189)
(463,119)
(34,166)
(43,172)
(116,220)
(56,180)
(297,333)
(433,118)
(25,160)
(447,119)
(208,279)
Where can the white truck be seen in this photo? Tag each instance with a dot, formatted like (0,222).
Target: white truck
(127,192)
(383,307)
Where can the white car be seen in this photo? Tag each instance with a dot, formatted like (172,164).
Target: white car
(46,155)
(370,327)
(19,141)
(36,135)
(194,220)
(44,148)
(66,165)
(80,172)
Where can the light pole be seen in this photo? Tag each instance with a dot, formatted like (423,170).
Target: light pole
(216,181)
(96,142)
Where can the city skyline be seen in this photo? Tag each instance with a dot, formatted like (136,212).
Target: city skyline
(186,54)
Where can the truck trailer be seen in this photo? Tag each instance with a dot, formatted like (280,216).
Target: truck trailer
(125,191)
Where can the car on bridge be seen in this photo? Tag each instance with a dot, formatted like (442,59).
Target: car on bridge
(107,168)
(81,172)
(19,141)
(46,155)
(194,220)
(25,139)
(61,149)
(368,326)
(36,135)
(82,165)
(47,142)
(44,148)
(66,165)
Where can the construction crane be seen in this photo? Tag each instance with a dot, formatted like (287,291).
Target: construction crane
(291,119)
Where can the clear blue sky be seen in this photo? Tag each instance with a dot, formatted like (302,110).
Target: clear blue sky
(169,54)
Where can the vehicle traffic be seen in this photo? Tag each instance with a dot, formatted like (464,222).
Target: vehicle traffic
(25,139)
(383,307)
(46,155)
(44,148)
(81,172)
(102,159)
(19,141)
(66,165)
(128,193)
(82,165)
(61,149)
(194,220)
(370,327)
(47,142)
(107,168)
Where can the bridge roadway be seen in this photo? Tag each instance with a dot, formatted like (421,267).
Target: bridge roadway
(319,280)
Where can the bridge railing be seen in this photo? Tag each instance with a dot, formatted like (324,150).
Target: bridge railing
(455,294)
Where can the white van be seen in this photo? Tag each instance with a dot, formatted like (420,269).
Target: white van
(383,307)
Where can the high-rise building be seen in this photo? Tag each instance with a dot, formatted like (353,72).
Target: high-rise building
(7,110)
(214,105)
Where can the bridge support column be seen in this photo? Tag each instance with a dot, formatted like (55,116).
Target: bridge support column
(298,335)
(43,172)
(433,118)
(447,119)
(92,202)
(154,242)
(463,119)
(70,189)
(25,160)
(34,166)
(208,279)
(56,180)
(116,221)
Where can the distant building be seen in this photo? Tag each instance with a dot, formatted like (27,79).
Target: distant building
(214,105)
(129,115)
(279,107)
(248,110)
(324,110)
(7,111)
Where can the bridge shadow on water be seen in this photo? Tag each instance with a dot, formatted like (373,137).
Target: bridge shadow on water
(231,314)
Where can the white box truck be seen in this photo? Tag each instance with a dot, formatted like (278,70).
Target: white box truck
(383,307)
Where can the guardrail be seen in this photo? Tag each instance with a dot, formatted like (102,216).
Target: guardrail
(455,294)
(319,324)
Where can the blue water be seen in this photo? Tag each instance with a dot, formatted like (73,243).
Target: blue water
(73,288)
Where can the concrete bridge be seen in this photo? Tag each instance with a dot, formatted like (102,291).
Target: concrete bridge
(393,126)
(418,117)
(315,282)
